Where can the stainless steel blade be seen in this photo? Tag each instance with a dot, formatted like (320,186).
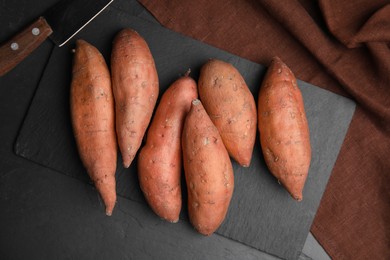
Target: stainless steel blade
(68,17)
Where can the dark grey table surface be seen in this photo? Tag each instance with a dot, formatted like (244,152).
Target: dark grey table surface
(57,209)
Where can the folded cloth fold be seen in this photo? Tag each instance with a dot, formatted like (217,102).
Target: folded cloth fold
(356,23)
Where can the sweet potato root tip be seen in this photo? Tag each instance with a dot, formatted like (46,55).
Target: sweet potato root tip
(175,221)
(297,197)
(196,102)
(106,188)
(127,159)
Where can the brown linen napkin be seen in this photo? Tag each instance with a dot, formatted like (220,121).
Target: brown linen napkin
(342,46)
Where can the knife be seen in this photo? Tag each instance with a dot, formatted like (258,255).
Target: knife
(60,23)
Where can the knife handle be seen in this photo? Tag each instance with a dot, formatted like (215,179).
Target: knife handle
(22,44)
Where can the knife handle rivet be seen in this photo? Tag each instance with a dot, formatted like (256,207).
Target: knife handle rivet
(14,46)
(35,31)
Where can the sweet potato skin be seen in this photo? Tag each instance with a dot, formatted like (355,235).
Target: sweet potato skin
(231,106)
(92,114)
(208,171)
(136,89)
(160,159)
(283,127)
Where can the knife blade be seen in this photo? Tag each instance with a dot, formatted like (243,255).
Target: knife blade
(60,23)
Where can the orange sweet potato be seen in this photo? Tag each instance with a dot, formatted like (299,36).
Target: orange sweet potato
(135,87)
(208,171)
(283,127)
(160,159)
(92,114)
(231,106)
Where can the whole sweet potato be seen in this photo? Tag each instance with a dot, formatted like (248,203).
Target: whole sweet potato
(208,171)
(135,87)
(160,159)
(92,114)
(283,127)
(231,106)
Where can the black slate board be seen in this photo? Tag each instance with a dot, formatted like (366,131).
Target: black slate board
(261,214)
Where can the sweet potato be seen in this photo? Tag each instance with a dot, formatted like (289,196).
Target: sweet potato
(208,171)
(92,114)
(160,159)
(231,106)
(283,127)
(135,87)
